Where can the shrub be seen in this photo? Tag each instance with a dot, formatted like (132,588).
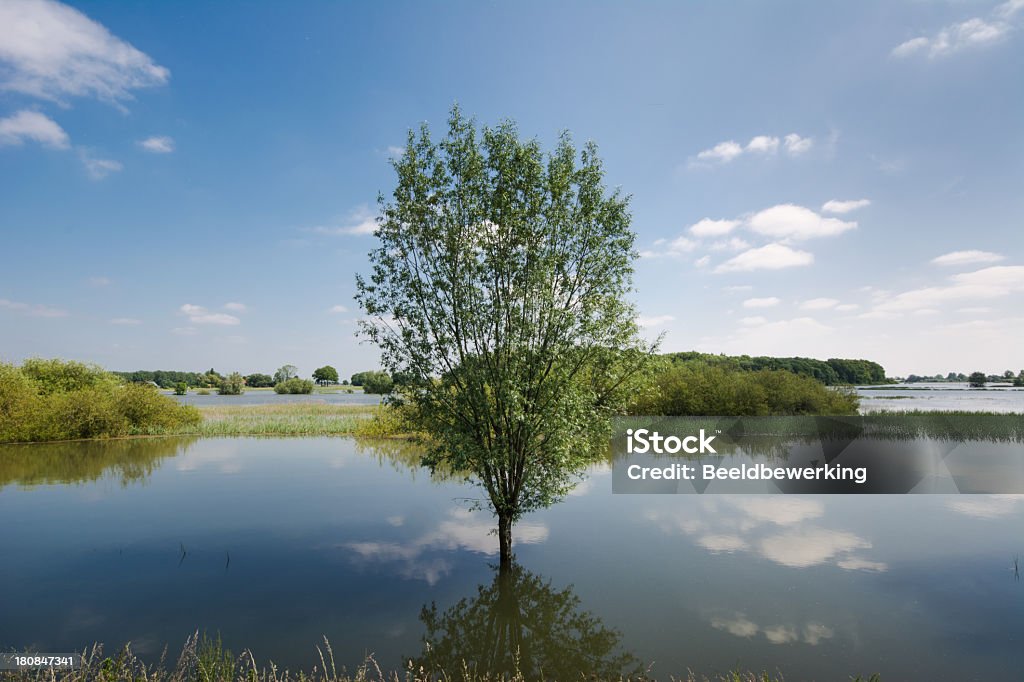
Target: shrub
(377,382)
(180,388)
(698,389)
(294,385)
(203,391)
(58,400)
(233,384)
(258,380)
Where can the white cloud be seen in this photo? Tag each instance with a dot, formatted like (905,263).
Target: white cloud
(810,546)
(336,309)
(702,262)
(992,282)
(713,228)
(184,331)
(49,50)
(32,309)
(730,244)
(723,152)
(1009,9)
(681,245)
(653,321)
(98,168)
(967,257)
(768,257)
(126,321)
(395,151)
(197,314)
(796,145)
(847,307)
(788,221)
(753,321)
(766,302)
(764,144)
(738,287)
(99,281)
(986,506)
(158,144)
(972,33)
(819,304)
(740,625)
(836,206)
(236,307)
(361,221)
(32,125)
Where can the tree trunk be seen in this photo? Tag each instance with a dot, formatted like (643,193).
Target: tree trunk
(505,539)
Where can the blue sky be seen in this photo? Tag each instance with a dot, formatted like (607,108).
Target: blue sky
(187,185)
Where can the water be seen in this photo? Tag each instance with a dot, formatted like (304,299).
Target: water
(941,396)
(277,542)
(271,398)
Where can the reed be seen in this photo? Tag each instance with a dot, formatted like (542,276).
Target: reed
(204,659)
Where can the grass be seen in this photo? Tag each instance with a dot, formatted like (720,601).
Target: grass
(286,419)
(204,659)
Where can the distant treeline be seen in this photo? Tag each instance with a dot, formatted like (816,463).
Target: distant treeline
(168,378)
(831,372)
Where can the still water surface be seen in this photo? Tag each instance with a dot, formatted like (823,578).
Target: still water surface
(941,396)
(277,542)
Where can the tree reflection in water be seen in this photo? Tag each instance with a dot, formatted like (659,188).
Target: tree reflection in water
(521,623)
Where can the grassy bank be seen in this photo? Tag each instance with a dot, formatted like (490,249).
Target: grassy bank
(288,419)
(203,659)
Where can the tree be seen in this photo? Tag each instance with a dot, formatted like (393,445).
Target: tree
(294,385)
(377,382)
(233,384)
(325,375)
(499,290)
(521,627)
(180,388)
(257,380)
(977,379)
(285,372)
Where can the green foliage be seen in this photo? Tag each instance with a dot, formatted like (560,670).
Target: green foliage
(325,375)
(696,388)
(377,382)
(294,385)
(213,662)
(521,627)
(258,380)
(233,384)
(180,388)
(285,372)
(58,400)
(203,391)
(499,292)
(831,372)
(977,379)
(60,376)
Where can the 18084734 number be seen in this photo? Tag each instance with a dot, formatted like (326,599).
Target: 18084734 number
(16,661)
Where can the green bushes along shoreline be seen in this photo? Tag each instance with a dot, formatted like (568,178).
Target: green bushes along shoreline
(46,400)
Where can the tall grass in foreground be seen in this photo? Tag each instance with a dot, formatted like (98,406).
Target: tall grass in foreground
(204,659)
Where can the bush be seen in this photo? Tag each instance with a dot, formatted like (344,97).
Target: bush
(233,384)
(698,389)
(180,388)
(294,385)
(58,400)
(203,391)
(377,382)
(258,380)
